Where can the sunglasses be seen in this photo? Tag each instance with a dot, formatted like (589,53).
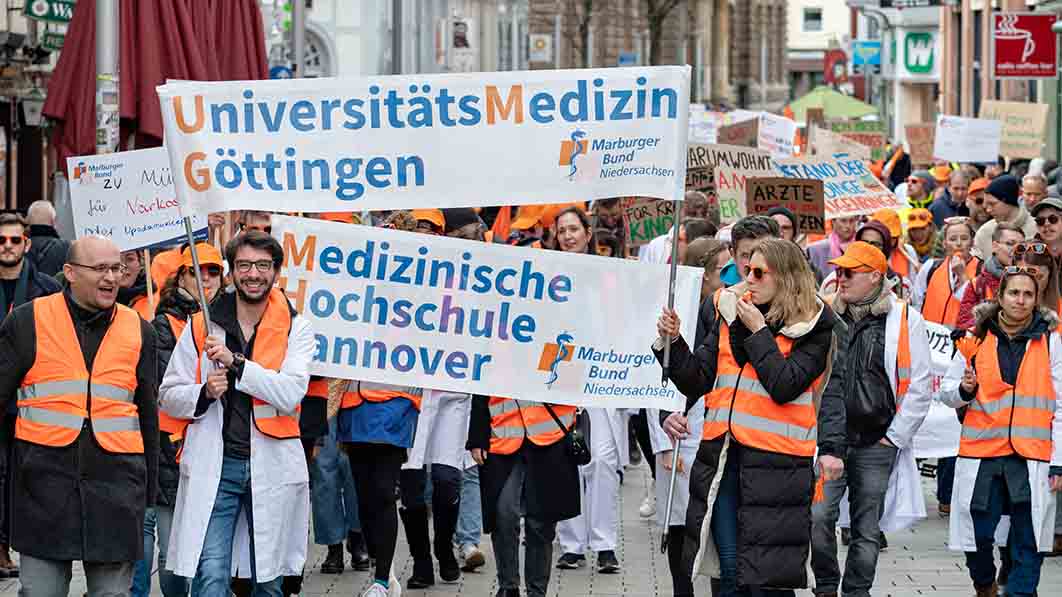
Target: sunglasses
(919,217)
(914,181)
(1051,219)
(14,240)
(1035,248)
(266,229)
(957,220)
(978,200)
(846,273)
(209,271)
(1031,270)
(759,272)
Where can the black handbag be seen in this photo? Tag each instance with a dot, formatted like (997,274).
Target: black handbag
(575,439)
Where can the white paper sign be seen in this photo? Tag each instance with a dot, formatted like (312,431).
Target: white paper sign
(128,197)
(450,140)
(448,314)
(938,437)
(967,140)
(776,135)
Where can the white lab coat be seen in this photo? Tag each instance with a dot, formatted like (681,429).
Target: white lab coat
(960,527)
(442,430)
(687,451)
(279,478)
(657,250)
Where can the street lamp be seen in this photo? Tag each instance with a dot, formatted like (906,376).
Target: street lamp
(1056,28)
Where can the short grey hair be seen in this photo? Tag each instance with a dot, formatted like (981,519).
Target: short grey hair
(1040,178)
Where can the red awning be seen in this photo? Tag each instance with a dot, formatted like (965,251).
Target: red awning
(201,40)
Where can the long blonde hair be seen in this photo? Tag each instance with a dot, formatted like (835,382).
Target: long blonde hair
(794,299)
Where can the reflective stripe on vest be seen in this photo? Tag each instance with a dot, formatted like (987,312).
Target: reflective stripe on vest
(903,359)
(1005,419)
(513,420)
(58,392)
(270,348)
(370,391)
(740,404)
(172,425)
(941,305)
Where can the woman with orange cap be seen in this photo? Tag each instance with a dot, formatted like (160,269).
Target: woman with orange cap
(903,259)
(940,283)
(922,235)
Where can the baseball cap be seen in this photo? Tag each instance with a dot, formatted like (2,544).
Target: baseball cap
(435,216)
(207,253)
(891,219)
(978,185)
(919,218)
(164,265)
(940,174)
(527,217)
(343,217)
(1048,202)
(861,254)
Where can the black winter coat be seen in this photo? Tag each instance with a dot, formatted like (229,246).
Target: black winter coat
(551,487)
(47,250)
(80,502)
(775,490)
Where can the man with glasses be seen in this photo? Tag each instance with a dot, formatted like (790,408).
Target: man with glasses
(919,190)
(975,202)
(20,282)
(86,439)
(952,202)
(1002,202)
(1006,237)
(885,372)
(246,491)
(1048,217)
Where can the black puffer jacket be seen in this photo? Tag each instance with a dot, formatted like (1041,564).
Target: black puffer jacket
(775,490)
(47,250)
(181,306)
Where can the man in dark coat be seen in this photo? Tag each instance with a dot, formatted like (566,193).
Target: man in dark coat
(47,250)
(80,501)
(20,282)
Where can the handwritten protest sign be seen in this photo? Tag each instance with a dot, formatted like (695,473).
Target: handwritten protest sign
(703,125)
(731,166)
(938,437)
(647,219)
(776,135)
(443,313)
(850,189)
(967,140)
(413,141)
(865,132)
(920,139)
(1024,125)
(803,197)
(827,143)
(129,198)
(741,134)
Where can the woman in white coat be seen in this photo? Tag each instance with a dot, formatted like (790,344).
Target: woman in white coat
(597,527)
(1010,449)
(243,505)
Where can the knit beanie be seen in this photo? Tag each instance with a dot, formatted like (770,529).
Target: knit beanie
(457,218)
(787,213)
(928,182)
(1005,188)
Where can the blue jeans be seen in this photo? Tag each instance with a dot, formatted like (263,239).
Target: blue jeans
(332,493)
(160,518)
(1027,561)
(470,517)
(213,577)
(945,479)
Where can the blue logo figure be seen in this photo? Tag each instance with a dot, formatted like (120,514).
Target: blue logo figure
(564,339)
(578,148)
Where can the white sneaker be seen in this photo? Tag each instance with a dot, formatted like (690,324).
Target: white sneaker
(375,590)
(648,507)
(472,557)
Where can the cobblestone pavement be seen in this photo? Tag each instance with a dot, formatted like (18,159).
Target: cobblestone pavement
(916,563)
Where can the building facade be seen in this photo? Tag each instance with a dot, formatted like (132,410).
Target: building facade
(814,27)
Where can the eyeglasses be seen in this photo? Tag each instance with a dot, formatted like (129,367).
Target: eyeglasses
(14,240)
(914,181)
(1031,270)
(919,217)
(847,273)
(212,271)
(265,266)
(759,272)
(1051,219)
(118,269)
(1035,248)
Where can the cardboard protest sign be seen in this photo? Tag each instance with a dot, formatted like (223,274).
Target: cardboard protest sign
(741,134)
(967,140)
(803,197)
(436,312)
(1024,126)
(129,198)
(442,140)
(647,219)
(849,188)
(865,132)
(920,139)
(826,143)
(731,166)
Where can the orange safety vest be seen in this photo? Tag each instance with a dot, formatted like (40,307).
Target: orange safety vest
(143,308)
(1005,419)
(270,348)
(900,263)
(58,392)
(513,420)
(941,305)
(172,425)
(903,358)
(318,388)
(368,391)
(741,405)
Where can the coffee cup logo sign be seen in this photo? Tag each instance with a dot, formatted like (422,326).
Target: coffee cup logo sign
(1024,45)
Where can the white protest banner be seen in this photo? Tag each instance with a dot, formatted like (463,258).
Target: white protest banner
(776,135)
(938,437)
(702,125)
(448,314)
(1024,126)
(849,187)
(967,140)
(732,166)
(129,198)
(450,140)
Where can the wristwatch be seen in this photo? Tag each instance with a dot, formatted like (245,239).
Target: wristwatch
(237,363)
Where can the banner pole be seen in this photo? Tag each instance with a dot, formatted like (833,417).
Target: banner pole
(666,365)
(670,494)
(150,282)
(198,275)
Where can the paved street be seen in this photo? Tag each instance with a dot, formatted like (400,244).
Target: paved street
(916,563)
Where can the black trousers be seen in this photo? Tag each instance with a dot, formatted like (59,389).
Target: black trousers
(641,433)
(7,432)
(376,469)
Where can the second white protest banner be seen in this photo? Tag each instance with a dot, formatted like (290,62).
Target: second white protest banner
(447,314)
(452,140)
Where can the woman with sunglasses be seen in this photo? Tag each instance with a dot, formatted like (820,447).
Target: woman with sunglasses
(1048,217)
(1046,270)
(178,302)
(1010,449)
(940,283)
(760,369)
(922,235)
